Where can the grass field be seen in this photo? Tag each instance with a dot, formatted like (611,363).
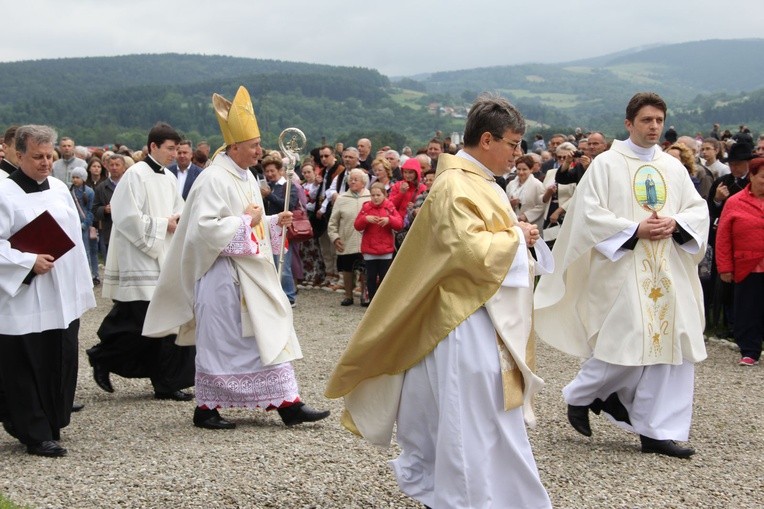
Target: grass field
(555,100)
(407,98)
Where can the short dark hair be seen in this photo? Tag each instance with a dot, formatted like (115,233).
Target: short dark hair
(199,157)
(492,114)
(186,142)
(642,99)
(162,132)
(9,135)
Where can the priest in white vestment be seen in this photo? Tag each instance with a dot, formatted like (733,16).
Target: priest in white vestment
(220,290)
(445,351)
(626,294)
(41,301)
(145,209)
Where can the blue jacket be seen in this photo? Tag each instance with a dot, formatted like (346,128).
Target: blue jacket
(193,172)
(84,196)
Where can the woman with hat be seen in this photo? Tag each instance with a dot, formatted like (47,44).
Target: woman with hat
(726,186)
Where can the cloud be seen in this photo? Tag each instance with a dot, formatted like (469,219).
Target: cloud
(396,37)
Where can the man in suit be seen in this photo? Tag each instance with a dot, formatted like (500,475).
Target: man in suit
(102,201)
(184,169)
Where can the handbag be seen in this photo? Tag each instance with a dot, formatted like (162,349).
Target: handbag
(93,233)
(300,229)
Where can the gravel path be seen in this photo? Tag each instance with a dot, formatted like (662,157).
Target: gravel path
(128,450)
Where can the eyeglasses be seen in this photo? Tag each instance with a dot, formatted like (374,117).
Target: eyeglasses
(512,144)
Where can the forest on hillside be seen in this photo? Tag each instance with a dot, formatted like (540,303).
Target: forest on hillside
(106,100)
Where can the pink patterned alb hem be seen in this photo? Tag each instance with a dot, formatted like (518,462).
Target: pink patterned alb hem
(271,387)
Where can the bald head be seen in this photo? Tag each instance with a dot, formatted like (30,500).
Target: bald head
(364,148)
(597,144)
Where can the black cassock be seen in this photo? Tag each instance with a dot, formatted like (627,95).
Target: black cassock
(38,371)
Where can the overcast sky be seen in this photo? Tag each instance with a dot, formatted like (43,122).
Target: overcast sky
(396,37)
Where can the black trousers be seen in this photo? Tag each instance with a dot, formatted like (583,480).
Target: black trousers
(749,319)
(39,377)
(376,269)
(125,352)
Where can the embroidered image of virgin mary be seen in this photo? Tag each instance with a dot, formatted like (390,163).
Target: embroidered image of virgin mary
(650,188)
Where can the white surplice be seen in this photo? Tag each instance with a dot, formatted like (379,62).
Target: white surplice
(52,300)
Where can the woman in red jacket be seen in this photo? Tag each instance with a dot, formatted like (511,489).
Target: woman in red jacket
(377,220)
(740,257)
(405,192)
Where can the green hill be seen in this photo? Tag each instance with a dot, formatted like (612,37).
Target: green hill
(591,91)
(103,100)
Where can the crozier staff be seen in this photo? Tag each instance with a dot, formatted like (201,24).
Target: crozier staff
(220,288)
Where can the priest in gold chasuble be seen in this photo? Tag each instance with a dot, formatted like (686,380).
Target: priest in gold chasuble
(626,294)
(445,352)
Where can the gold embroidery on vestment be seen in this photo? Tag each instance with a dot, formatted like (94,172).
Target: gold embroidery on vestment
(657,289)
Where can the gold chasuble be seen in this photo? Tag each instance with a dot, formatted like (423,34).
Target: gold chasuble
(455,257)
(645,307)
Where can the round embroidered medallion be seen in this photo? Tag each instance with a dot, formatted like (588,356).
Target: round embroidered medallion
(649,188)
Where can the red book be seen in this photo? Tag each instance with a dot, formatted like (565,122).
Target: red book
(42,235)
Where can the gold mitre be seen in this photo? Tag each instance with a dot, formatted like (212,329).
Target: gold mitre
(237,119)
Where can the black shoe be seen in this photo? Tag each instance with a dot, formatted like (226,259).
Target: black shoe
(48,448)
(666,447)
(210,419)
(578,417)
(365,303)
(8,427)
(101,377)
(346,302)
(76,407)
(175,396)
(299,413)
(613,406)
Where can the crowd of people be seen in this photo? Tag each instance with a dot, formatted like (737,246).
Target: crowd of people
(190,247)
